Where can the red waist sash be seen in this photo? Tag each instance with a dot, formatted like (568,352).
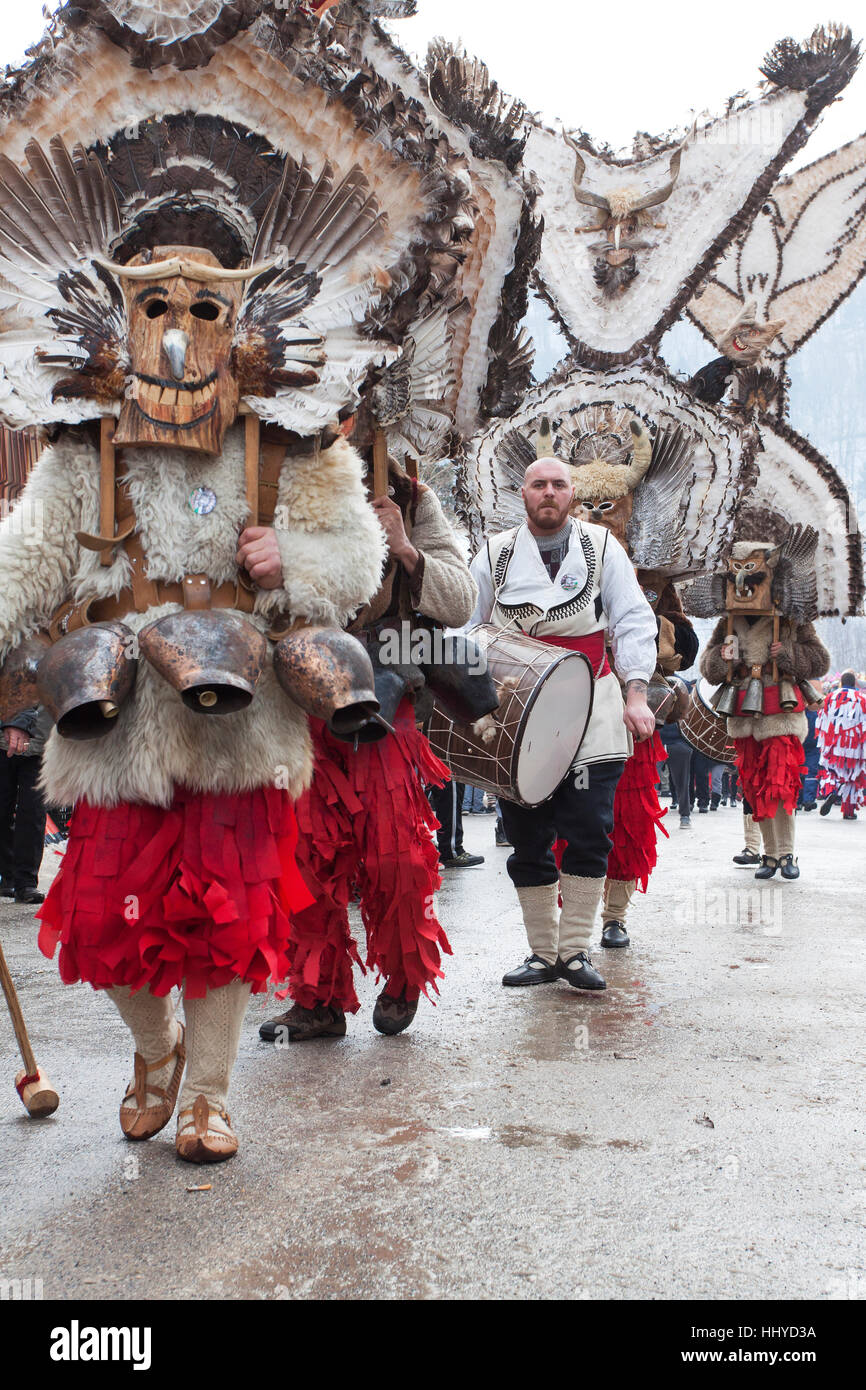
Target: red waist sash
(771,701)
(592,645)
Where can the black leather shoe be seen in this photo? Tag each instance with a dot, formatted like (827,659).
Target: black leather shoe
(533,971)
(7,892)
(463,860)
(614,934)
(831,801)
(579,972)
(702,810)
(809,806)
(747,858)
(299,1024)
(29,896)
(393,1013)
(789,867)
(769,865)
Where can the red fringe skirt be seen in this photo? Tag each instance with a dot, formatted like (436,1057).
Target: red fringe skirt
(199,893)
(770,772)
(366,827)
(637,815)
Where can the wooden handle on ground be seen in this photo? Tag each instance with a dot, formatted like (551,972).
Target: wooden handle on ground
(17,1017)
(38,1096)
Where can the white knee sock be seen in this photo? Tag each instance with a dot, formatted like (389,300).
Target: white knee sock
(618,893)
(784,828)
(213,1034)
(580,900)
(154,1028)
(751,833)
(540,907)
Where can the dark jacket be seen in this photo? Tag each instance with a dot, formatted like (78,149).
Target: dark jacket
(37,723)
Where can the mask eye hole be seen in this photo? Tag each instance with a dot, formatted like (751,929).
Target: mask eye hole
(205,310)
(156,308)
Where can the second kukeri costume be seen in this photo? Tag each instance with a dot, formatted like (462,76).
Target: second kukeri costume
(365,820)
(769,591)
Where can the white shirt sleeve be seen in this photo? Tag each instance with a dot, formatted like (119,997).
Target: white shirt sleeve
(631,622)
(480,571)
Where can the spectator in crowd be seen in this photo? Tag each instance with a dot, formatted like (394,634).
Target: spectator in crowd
(679,764)
(447,803)
(811,757)
(22,807)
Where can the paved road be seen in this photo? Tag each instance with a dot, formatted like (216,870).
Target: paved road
(696,1131)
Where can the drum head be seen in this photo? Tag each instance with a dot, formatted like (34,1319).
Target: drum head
(553,728)
(706,691)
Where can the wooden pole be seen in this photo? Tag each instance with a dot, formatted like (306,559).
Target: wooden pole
(38,1095)
(380,464)
(775,676)
(252,444)
(107,461)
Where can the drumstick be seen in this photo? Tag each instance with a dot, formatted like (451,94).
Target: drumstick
(775,678)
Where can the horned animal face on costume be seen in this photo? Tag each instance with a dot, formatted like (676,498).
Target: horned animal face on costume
(750,576)
(182,390)
(603,485)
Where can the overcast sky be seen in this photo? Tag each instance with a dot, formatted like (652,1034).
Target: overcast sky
(610,68)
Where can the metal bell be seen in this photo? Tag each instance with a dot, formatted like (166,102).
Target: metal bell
(787,695)
(724,700)
(329,674)
(18,690)
(811,694)
(85,677)
(754,701)
(213,658)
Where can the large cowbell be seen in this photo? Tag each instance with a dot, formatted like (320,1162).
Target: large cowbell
(213,658)
(183,390)
(85,677)
(328,673)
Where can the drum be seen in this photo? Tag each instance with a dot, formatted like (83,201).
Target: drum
(703,728)
(545,700)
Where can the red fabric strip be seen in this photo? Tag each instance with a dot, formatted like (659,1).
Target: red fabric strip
(592,645)
(201,893)
(770,772)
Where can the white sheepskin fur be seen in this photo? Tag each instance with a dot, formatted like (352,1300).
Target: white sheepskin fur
(332,548)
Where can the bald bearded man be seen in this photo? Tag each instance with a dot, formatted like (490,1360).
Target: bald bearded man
(569,583)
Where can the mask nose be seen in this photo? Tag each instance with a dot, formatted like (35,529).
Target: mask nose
(175,344)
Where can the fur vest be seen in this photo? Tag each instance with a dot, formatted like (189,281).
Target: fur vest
(332,550)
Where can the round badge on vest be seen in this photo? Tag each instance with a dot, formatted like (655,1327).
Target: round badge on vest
(202,501)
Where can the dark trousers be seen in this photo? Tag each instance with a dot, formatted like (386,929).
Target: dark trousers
(447,803)
(680,769)
(701,771)
(22,822)
(581,815)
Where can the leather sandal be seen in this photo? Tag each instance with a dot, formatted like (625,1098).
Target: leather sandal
(143,1121)
(199,1140)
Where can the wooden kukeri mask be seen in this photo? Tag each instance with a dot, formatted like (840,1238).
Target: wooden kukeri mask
(182,390)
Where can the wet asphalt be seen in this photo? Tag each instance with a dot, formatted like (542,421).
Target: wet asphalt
(696,1131)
